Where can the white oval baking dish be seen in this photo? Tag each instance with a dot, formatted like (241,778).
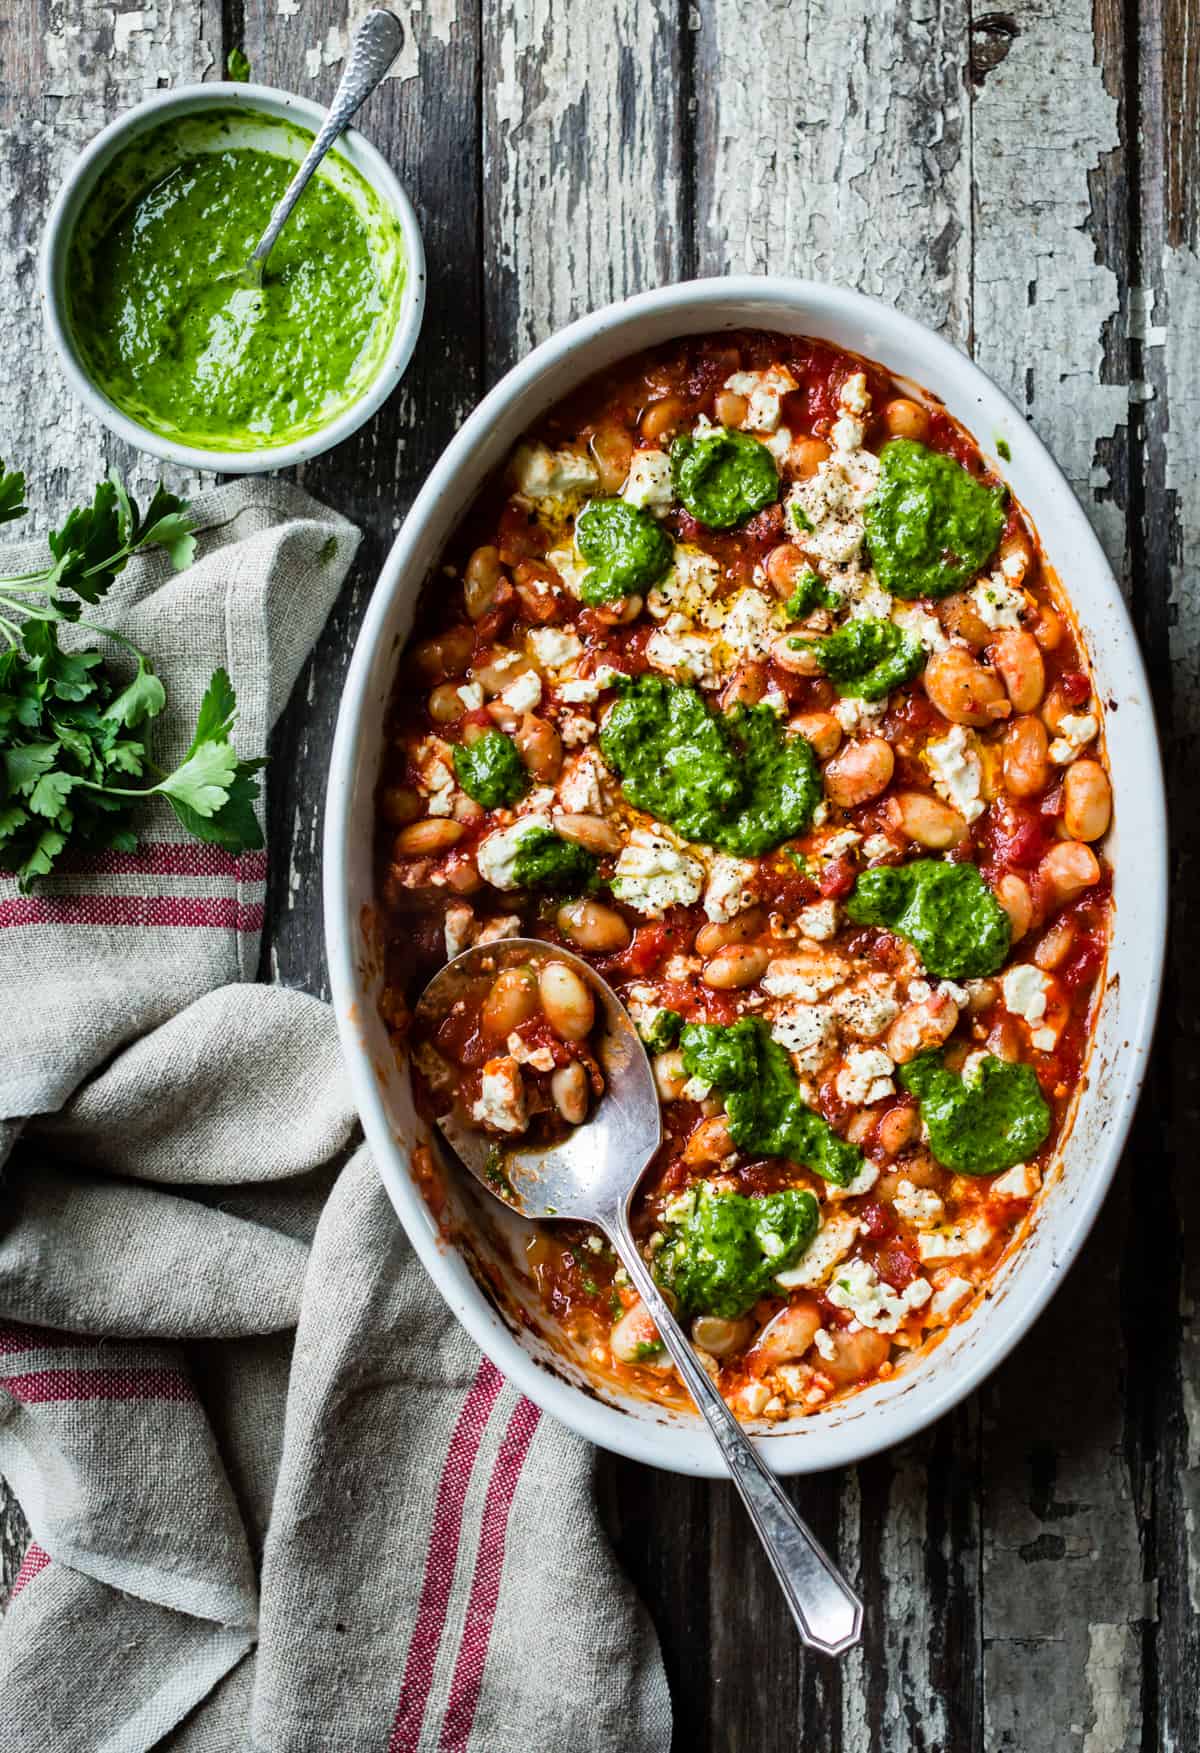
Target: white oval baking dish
(532,1356)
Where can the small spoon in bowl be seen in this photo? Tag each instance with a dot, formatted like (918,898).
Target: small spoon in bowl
(591,1177)
(376,43)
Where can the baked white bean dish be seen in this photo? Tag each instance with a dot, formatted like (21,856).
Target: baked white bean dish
(747,681)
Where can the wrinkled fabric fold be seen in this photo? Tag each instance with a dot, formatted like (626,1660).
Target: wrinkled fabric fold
(278,1499)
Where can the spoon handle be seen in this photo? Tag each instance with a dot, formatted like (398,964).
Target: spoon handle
(377,42)
(827,1612)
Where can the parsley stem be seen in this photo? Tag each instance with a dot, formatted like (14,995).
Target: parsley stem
(41,579)
(10,631)
(114,560)
(111,633)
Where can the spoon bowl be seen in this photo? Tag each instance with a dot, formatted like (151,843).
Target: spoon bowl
(591,1176)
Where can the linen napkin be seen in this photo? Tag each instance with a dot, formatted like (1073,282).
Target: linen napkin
(278,1500)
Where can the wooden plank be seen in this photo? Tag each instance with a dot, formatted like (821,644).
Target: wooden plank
(424,120)
(1164,1272)
(64,73)
(1064,1601)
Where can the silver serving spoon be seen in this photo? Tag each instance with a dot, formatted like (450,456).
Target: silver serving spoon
(591,1177)
(377,42)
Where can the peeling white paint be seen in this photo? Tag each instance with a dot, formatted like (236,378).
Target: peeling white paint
(1110,1649)
(1042,301)
(844,157)
(125,26)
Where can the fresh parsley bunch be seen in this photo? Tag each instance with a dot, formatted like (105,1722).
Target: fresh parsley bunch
(69,748)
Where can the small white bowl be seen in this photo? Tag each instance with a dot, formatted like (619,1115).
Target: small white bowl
(472,1256)
(86,172)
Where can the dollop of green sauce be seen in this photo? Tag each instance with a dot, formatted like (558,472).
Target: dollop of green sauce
(930,525)
(735,781)
(762,1098)
(544,860)
(725,1252)
(868,657)
(982,1123)
(627,550)
(946,911)
(723,477)
(660,1032)
(490,770)
(168,334)
(810,593)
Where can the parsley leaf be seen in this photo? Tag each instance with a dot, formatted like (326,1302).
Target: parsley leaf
(12,495)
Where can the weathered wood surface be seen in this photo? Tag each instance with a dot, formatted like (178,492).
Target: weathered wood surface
(1025,181)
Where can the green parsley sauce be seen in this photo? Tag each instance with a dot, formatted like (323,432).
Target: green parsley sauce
(982,1123)
(946,911)
(723,477)
(626,548)
(734,781)
(762,1098)
(868,657)
(188,353)
(930,525)
(725,1253)
(490,770)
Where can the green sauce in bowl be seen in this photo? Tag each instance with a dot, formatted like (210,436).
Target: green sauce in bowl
(165,331)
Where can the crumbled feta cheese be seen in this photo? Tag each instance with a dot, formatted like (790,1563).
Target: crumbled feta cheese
(947,1299)
(763,390)
(541,473)
(997,604)
(1025,988)
(1075,732)
(696,1089)
(471,695)
(555,646)
(728,892)
(580,789)
(570,565)
(854,714)
(832,1242)
(842,841)
(867,1006)
(919,1206)
(809,1033)
(652,875)
(862,1183)
(912,618)
(877,846)
(873,1302)
(849,429)
(1020,1182)
(433,761)
(523,694)
(574,729)
(866,1077)
(819,920)
(501,1104)
(681,653)
(580,691)
(804,977)
(957,771)
(502,926)
(497,853)
(854,395)
(971,1236)
(750,624)
(779,444)
(823,1341)
(1044,1040)
(539,1058)
(459,928)
(689,588)
(648,484)
(830,506)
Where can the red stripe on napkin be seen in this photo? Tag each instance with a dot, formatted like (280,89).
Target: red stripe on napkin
(441,1557)
(225,912)
(42,1386)
(170,858)
(485,1584)
(34,1562)
(15,1336)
